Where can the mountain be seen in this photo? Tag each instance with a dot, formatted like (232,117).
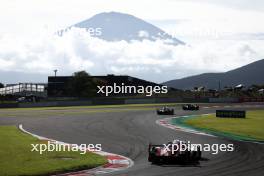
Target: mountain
(114,26)
(247,75)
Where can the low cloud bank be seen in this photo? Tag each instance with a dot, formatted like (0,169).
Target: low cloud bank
(151,60)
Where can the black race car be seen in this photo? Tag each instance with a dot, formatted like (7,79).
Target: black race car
(173,152)
(190,107)
(165,111)
(28,98)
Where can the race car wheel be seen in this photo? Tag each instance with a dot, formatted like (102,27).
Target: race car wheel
(187,157)
(156,160)
(193,155)
(199,154)
(150,158)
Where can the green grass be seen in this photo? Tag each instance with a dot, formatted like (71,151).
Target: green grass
(250,127)
(17,159)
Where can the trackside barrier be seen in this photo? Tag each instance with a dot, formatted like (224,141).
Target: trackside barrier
(260,99)
(152,100)
(55,103)
(195,100)
(100,101)
(223,100)
(139,101)
(9,105)
(108,101)
(168,100)
(118,101)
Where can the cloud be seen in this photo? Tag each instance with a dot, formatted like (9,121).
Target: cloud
(151,60)
(258,5)
(143,34)
(29,16)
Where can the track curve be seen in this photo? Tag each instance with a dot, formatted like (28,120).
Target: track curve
(128,133)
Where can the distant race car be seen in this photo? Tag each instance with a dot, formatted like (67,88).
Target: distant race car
(28,98)
(190,107)
(169,153)
(165,111)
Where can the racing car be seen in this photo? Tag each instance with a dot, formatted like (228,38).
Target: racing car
(170,153)
(190,107)
(165,111)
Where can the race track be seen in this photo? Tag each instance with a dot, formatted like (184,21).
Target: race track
(128,131)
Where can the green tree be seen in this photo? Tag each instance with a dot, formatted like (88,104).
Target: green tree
(82,85)
(1,85)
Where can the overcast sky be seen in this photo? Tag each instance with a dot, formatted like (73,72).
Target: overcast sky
(200,23)
(221,15)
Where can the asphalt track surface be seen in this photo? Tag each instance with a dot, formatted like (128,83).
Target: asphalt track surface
(128,131)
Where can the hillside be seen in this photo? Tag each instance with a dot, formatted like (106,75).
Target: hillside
(247,75)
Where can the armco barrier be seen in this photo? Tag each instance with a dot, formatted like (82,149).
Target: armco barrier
(54,103)
(9,105)
(75,103)
(41,104)
(119,101)
(140,101)
(223,100)
(195,100)
(108,101)
(152,100)
(168,100)
(259,99)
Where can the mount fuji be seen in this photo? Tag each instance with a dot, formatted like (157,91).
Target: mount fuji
(115,26)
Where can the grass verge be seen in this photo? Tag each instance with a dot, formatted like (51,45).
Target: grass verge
(17,158)
(249,128)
